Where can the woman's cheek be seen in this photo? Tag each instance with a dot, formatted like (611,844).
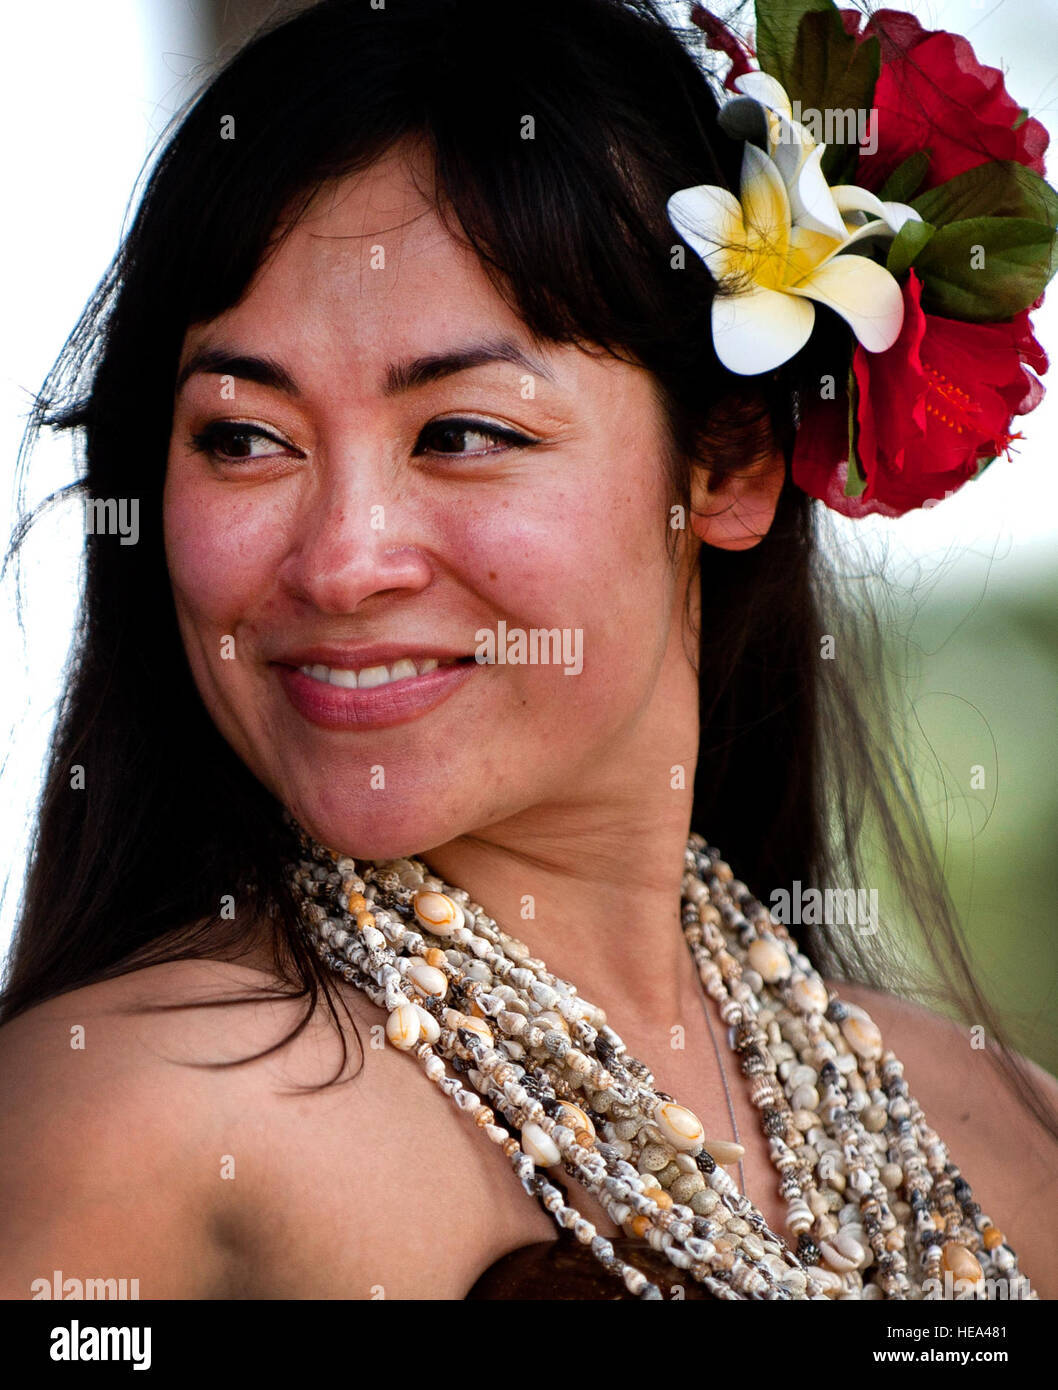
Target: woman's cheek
(221,550)
(551,562)
(527,557)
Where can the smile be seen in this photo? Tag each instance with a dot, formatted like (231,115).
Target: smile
(370,677)
(374,697)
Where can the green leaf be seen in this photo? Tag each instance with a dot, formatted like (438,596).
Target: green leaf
(834,75)
(856,479)
(982,466)
(1003,188)
(906,245)
(1020,256)
(777,23)
(900,186)
(1022,117)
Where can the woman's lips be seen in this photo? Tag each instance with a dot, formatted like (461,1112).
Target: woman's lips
(378,707)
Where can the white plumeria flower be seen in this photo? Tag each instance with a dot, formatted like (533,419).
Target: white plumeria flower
(776,247)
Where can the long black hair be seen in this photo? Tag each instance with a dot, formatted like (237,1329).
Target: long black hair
(798,754)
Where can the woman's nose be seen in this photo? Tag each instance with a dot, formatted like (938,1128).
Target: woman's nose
(350,541)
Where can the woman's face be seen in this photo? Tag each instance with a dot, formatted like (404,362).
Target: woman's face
(392,471)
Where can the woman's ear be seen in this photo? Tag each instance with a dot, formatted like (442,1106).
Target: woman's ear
(733,510)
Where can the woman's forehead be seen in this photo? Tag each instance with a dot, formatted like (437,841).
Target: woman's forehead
(370,281)
(397,188)
(355,279)
(374,235)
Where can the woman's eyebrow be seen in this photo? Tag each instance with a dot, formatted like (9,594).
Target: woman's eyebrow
(405,375)
(221,361)
(420,371)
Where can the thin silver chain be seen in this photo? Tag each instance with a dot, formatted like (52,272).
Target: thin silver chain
(723,1078)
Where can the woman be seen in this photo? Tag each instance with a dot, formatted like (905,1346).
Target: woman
(397,364)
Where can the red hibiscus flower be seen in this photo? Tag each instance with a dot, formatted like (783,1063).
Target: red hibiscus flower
(930,409)
(719,36)
(933,94)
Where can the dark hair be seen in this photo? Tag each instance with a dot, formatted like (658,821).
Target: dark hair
(796,752)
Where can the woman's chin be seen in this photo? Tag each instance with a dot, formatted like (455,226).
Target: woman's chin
(369,838)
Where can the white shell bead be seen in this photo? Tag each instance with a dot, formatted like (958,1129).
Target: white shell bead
(427,978)
(722,1151)
(769,959)
(805,1098)
(680,1126)
(853,1243)
(809,995)
(435,1069)
(829,1281)
(431,1029)
(551,1019)
(475,1025)
(861,1033)
(403,1027)
(540,1147)
(839,1254)
(798,1217)
(544,995)
(437,912)
(575,1118)
(803,1076)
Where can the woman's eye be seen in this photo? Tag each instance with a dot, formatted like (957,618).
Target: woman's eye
(233,442)
(468,438)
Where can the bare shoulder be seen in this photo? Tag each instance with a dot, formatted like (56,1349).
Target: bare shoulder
(113,1149)
(121,1159)
(1009,1160)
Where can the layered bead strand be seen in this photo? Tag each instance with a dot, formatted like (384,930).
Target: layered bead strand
(873,1198)
(351,925)
(553,1084)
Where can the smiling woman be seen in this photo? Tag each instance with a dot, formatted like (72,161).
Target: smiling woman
(467,472)
(390,360)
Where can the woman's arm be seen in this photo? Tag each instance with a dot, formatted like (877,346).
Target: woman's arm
(95,1178)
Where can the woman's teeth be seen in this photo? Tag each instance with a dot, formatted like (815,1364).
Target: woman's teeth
(371,676)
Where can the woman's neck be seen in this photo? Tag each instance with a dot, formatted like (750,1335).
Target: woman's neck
(592,883)
(597,899)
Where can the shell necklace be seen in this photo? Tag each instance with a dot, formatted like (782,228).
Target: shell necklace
(875,1207)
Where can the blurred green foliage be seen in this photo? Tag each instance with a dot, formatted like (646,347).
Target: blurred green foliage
(981,671)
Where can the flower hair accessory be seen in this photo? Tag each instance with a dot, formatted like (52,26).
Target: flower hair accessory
(925,224)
